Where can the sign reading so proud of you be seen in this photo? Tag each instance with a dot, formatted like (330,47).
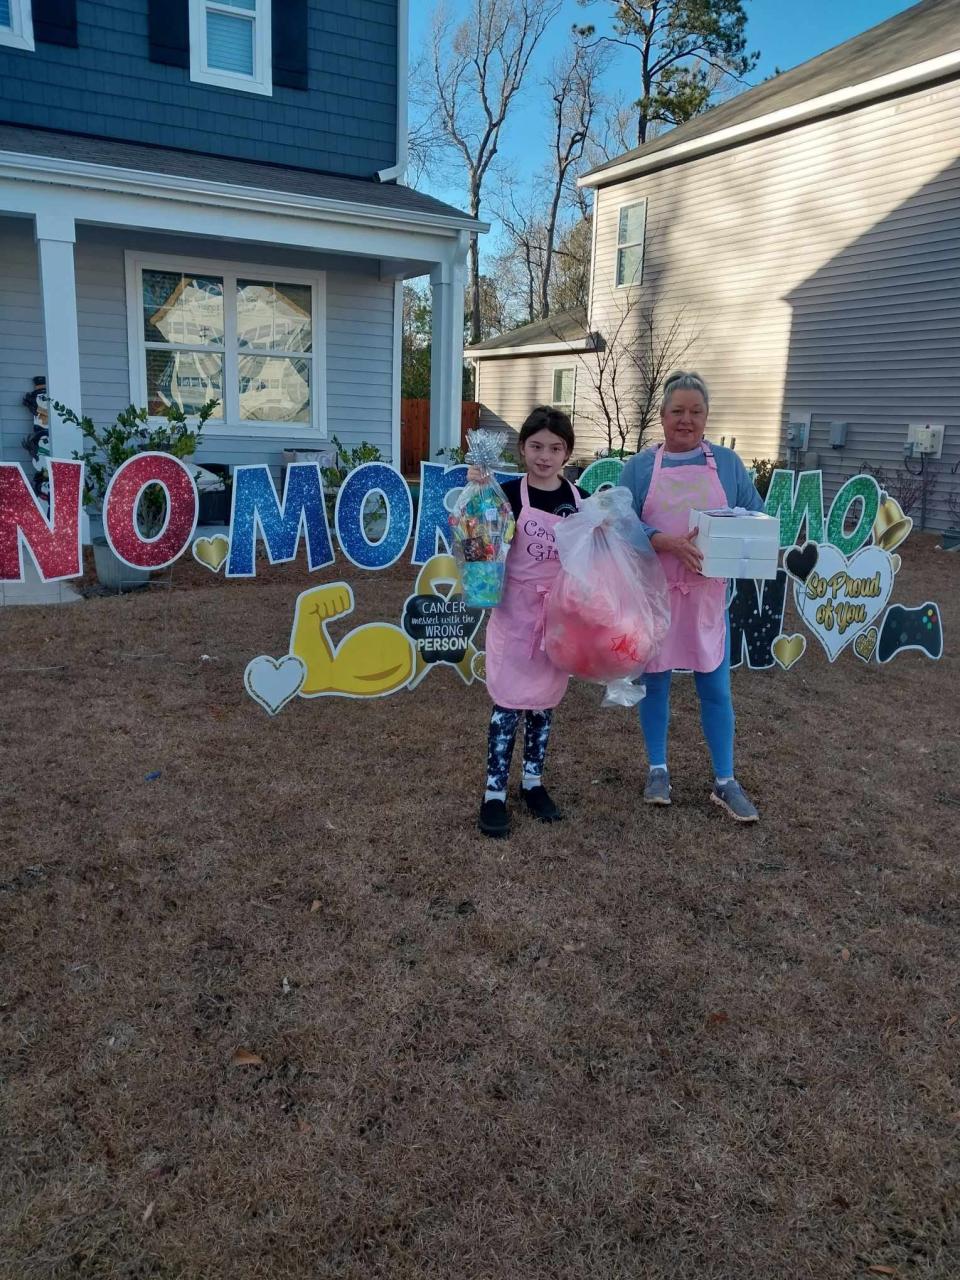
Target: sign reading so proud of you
(843,571)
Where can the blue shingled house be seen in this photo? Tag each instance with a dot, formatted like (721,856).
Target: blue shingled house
(203,199)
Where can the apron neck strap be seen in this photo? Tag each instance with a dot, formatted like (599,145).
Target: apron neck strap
(524,492)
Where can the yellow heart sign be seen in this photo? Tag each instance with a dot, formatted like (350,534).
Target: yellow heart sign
(865,643)
(211,552)
(789,649)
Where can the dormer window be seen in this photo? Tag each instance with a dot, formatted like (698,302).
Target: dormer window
(230,44)
(16,24)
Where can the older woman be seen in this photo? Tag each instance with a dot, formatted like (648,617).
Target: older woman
(686,473)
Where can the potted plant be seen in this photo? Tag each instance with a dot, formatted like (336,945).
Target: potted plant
(105,451)
(374,516)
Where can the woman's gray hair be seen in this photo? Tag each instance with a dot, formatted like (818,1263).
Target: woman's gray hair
(683,380)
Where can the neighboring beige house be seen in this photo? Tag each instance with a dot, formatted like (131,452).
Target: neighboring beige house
(806,237)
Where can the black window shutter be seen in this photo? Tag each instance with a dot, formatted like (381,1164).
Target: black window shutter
(168,26)
(290,43)
(55,22)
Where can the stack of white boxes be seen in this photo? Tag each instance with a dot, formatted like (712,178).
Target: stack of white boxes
(737,543)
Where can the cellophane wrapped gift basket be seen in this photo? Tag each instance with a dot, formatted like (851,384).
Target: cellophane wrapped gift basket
(482,524)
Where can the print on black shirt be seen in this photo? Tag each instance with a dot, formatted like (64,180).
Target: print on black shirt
(555,502)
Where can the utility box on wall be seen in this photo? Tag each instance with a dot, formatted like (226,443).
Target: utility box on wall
(838,435)
(798,431)
(926,439)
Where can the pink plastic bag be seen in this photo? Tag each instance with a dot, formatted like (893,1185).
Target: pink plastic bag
(609,610)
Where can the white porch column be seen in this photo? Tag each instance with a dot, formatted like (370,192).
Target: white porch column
(56,235)
(446,353)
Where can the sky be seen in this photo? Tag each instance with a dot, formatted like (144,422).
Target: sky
(786,33)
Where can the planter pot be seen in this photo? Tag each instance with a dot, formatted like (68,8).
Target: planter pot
(214,507)
(951,540)
(113,573)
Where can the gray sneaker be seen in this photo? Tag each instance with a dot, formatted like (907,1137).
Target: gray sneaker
(657,790)
(732,797)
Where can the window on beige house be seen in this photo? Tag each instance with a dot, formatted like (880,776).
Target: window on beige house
(630,232)
(563,383)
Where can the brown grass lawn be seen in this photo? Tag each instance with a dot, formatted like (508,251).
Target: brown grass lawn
(642,1044)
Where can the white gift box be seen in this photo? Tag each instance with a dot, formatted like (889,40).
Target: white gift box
(737,543)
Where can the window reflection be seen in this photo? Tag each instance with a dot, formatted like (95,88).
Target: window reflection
(274,317)
(187,379)
(274,389)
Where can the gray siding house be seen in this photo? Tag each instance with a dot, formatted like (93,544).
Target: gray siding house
(804,239)
(203,199)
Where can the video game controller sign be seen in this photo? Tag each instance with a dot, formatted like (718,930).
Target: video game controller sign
(904,629)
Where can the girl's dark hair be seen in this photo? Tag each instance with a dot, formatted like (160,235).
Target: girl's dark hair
(545,418)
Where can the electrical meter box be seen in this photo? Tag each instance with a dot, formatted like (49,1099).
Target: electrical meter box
(798,432)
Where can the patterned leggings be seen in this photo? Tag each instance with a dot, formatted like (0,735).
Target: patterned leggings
(503,732)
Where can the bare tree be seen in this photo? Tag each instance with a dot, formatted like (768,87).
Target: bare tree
(522,262)
(658,347)
(570,281)
(478,68)
(626,367)
(573,89)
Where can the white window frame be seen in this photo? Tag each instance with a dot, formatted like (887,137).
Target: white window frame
(563,404)
(19,35)
(232,424)
(631,244)
(262,79)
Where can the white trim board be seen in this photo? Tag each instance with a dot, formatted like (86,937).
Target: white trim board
(802,112)
(220,221)
(534,349)
(19,34)
(396,442)
(136,261)
(109,178)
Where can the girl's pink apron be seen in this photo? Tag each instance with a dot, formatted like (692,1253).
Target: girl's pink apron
(519,673)
(697,634)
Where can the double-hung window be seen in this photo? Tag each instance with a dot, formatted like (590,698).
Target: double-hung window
(630,230)
(16,24)
(563,384)
(230,44)
(248,338)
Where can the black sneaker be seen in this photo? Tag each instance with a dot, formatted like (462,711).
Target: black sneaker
(494,820)
(538,801)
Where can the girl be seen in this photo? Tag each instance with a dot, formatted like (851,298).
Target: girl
(521,680)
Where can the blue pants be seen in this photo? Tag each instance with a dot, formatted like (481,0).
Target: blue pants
(716,713)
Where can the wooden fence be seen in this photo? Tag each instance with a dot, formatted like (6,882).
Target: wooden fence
(415,431)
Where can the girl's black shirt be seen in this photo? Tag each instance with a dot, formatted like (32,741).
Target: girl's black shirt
(555,502)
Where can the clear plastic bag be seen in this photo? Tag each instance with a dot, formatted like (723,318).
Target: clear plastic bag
(609,610)
(482,525)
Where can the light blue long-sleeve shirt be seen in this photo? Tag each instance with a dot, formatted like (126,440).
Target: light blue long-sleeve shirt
(737,485)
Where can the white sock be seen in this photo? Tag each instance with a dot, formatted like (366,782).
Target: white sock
(530,781)
(494,795)
(722,782)
(658,768)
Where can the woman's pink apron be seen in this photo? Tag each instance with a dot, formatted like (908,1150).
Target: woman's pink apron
(697,635)
(519,673)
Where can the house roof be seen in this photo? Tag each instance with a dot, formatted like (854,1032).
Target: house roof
(927,31)
(77,149)
(565,330)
